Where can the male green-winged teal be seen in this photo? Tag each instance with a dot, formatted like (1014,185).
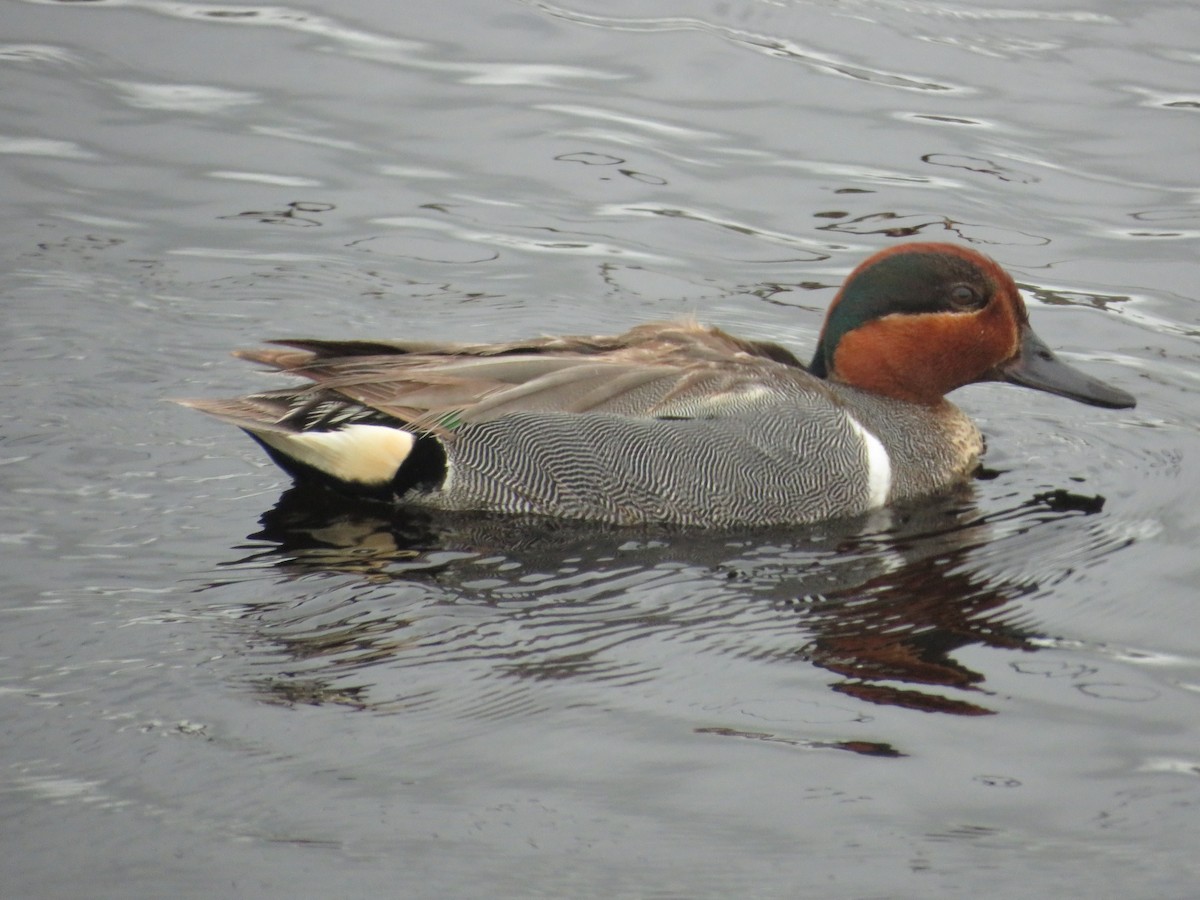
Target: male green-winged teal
(672,422)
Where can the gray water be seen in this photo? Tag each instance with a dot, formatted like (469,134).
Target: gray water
(213,686)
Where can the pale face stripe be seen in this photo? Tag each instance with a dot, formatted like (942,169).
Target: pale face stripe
(879,465)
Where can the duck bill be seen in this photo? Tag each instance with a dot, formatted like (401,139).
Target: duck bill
(1035,366)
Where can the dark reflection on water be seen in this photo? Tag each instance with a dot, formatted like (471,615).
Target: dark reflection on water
(299,213)
(931,226)
(884,604)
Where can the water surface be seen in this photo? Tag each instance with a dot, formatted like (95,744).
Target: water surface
(214,686)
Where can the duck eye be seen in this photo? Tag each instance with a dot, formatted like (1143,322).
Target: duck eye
(965,296)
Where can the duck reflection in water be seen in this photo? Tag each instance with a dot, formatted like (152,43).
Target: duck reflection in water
(884,609)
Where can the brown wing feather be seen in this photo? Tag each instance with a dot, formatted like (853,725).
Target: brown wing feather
(259,412)
(655,369)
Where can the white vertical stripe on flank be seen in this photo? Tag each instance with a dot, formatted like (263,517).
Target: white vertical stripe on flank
(879,465)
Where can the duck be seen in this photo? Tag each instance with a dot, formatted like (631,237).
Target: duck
(675,422)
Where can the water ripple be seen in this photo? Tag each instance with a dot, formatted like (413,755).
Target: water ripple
(779,47)
(806,252)
(359,43)
(30,146)
(190,98)
(38,53)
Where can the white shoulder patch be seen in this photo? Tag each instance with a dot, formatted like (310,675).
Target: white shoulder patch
(879,465)
(362,454)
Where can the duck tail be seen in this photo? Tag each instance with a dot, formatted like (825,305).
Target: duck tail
(374,460)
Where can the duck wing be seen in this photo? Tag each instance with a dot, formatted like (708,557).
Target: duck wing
(662,370)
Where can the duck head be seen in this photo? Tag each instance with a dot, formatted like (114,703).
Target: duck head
(916,321)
